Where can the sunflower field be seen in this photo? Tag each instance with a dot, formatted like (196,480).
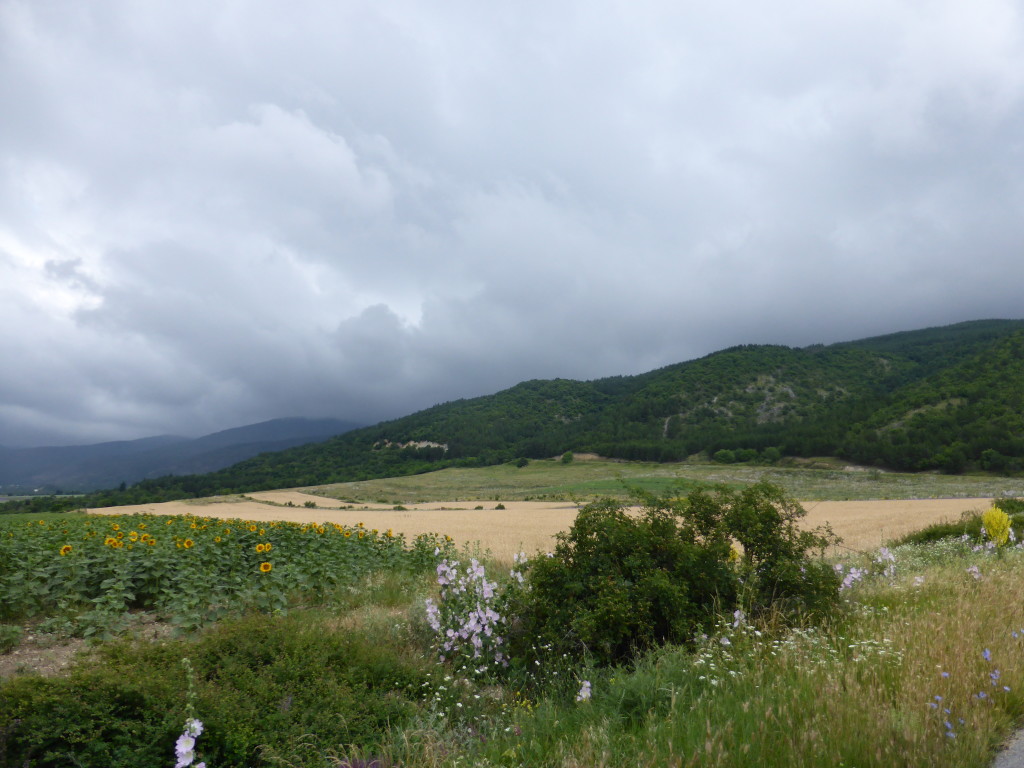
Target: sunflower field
(90,575)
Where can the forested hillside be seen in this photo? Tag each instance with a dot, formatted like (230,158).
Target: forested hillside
(941,398)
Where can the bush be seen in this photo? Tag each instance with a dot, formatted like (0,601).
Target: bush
(265,686)
(619,583)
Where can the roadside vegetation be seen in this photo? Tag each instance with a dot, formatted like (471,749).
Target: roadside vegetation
(706,631)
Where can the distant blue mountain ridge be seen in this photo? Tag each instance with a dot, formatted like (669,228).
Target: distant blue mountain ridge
(81,468)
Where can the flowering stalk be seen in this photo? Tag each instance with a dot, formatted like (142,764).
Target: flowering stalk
(466,619)
(185,746)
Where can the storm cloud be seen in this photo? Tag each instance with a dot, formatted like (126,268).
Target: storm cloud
(215,213)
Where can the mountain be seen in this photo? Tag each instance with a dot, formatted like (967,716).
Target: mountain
(106,465)
(947,399)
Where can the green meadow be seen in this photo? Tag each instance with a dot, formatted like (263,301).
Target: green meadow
(822,479)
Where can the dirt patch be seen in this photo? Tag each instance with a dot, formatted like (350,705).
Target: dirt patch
(40,655)
(47,655)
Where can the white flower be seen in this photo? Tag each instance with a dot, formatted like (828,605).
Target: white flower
(584,694)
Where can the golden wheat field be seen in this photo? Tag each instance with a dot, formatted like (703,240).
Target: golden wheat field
(531,525)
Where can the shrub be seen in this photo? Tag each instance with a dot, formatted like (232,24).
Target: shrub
(620,582)
(265,686)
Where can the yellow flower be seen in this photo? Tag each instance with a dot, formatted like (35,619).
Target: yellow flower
(65,550)
(109,541)
(266,567)
(362,533)
(260,548)
(142,525)
(115,527)
(997,525)
(216,539)
(263,531)
(267,547)
(348,534)
(151,542)
(390,533)
(188,543)
(252,529)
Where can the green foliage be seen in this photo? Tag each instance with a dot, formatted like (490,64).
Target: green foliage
(567,457)
(619,583)
(91,575)
(948,399)
(264,687)
(10,636)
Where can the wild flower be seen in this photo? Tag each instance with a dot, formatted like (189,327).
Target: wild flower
(975,571)
(466,621)
(585,692)
(996,524)
(185,746)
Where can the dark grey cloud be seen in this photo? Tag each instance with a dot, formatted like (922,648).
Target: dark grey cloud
(213,214)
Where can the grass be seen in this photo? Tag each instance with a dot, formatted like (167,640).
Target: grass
(552,480)
(351,679)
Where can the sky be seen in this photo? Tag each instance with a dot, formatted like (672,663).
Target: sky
(214,213)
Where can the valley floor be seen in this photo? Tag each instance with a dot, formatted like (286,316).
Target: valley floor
(531,526)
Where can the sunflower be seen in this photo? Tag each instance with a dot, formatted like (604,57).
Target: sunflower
(266,567)
(261,548)
(65,550)
(187,543)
